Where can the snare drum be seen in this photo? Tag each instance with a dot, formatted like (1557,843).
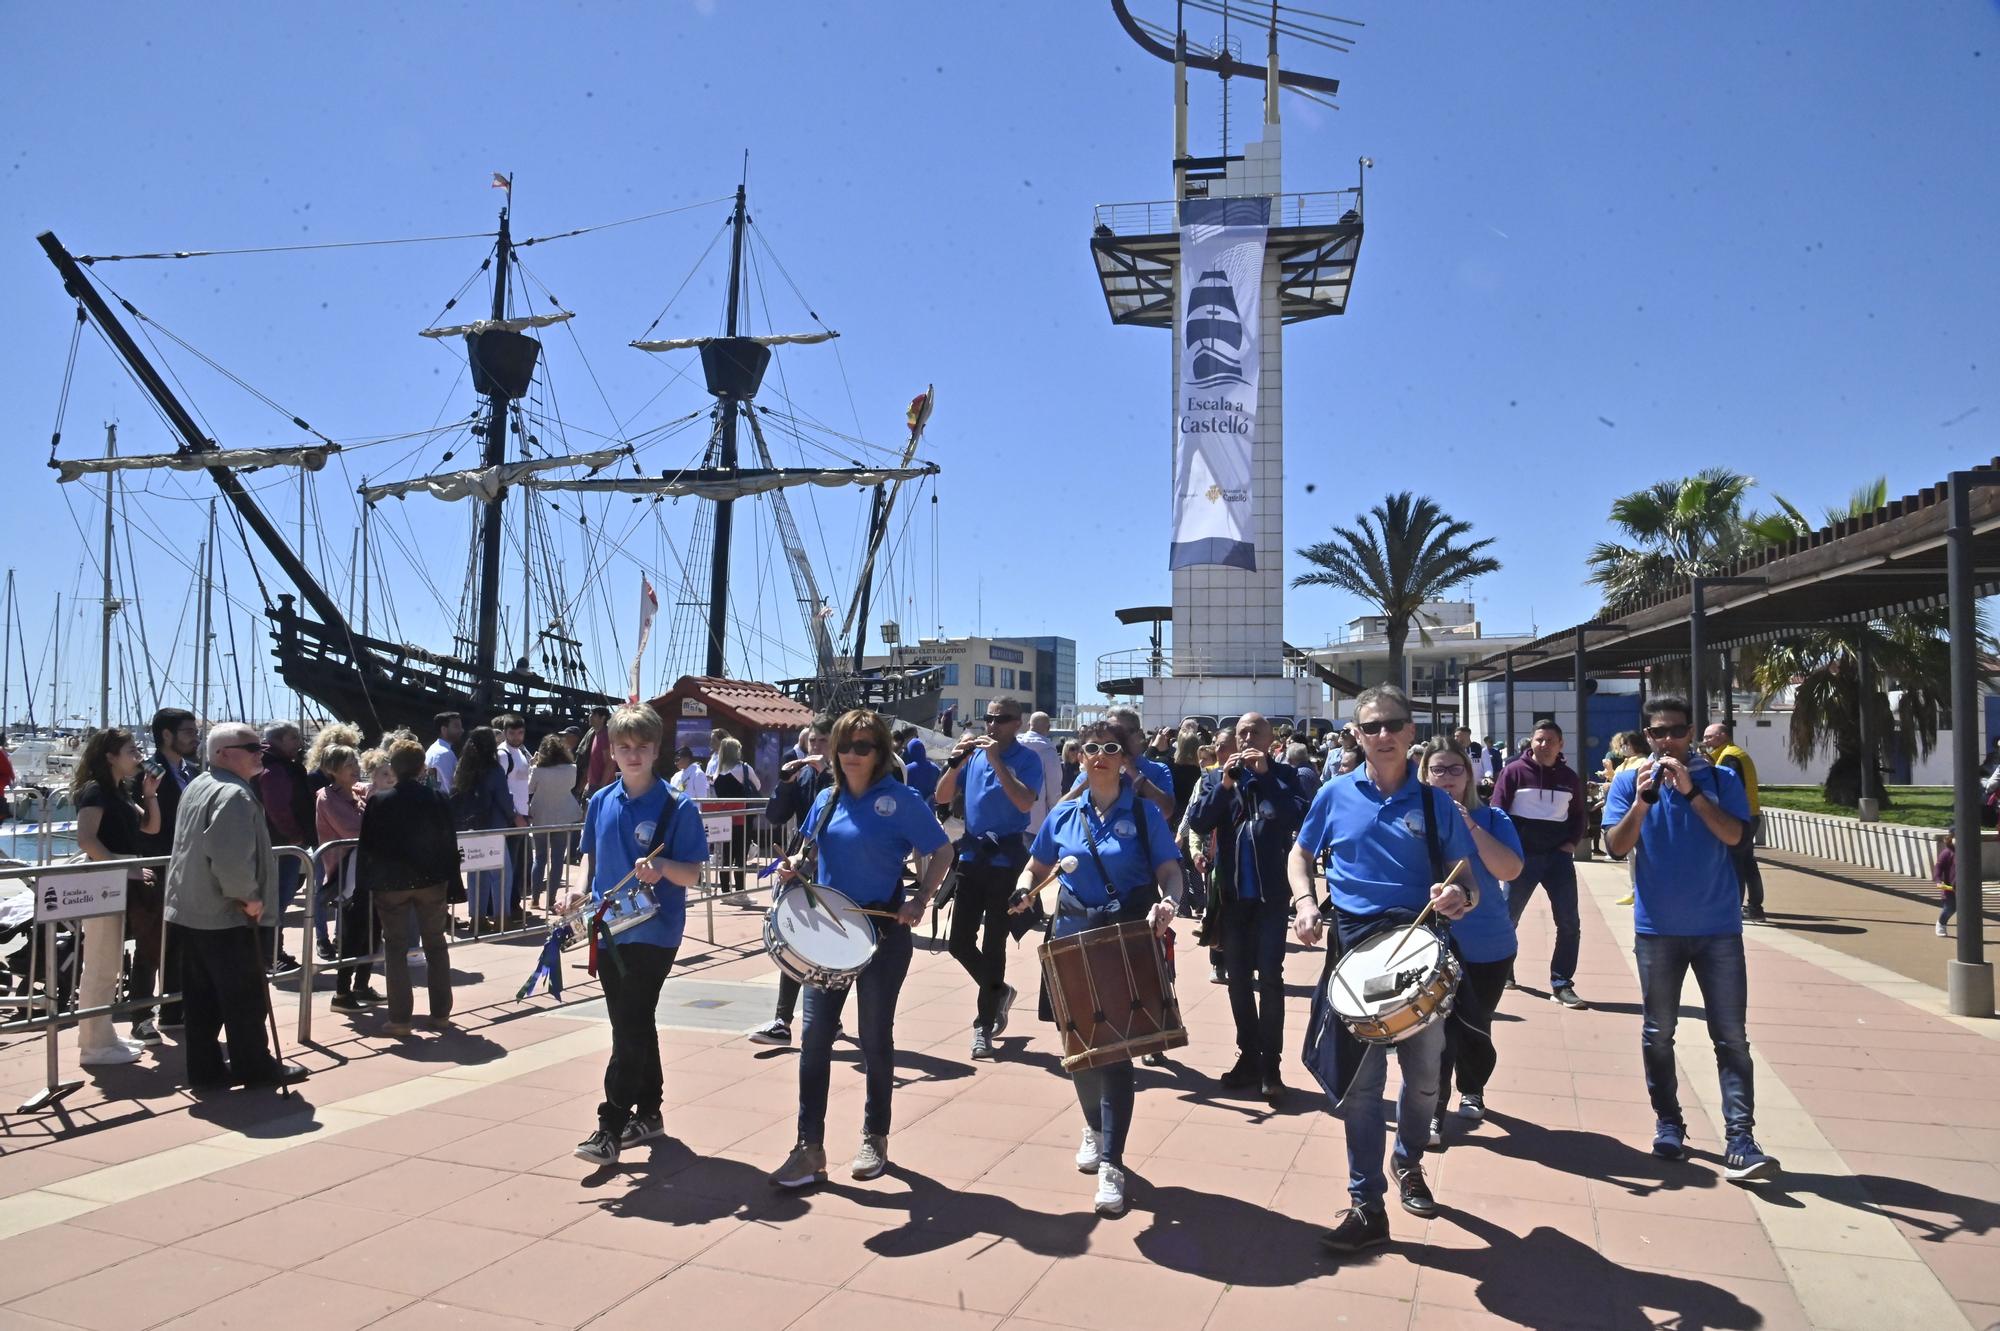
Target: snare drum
(1393,984)
(1110,996)
(824,945)
(624,907)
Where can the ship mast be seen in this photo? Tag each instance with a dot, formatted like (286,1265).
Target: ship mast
(110,606)
(486,634)
(718,569)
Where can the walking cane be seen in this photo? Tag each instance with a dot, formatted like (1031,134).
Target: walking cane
(277,1049)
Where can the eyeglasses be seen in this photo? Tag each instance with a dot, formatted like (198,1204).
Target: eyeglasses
(1001,718)
(1394,726)
(860,748)
(1456,769)
(1110,747)
(1669,732)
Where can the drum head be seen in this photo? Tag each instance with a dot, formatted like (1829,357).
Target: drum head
(812,933)
(1414,962)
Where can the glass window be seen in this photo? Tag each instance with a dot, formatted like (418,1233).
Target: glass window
(1006,677)
(982,677)
(947,705)
(978,709)
(951,674)
(1027,681)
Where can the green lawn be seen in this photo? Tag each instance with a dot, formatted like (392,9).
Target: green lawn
(1915,806)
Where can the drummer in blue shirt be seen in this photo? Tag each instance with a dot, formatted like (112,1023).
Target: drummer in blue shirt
(1153,780)
(1103,829)
(862,828)
(636,827)
(1483,937)
(1392,842)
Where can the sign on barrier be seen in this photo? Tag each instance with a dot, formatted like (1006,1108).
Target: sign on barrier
(73,896)
(477,853)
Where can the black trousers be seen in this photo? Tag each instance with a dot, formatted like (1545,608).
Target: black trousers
(359,932)
(1253,948)
(981,898)
(632,974)
(1469,1051)
(222,976)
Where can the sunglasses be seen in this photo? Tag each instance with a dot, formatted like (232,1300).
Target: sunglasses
(1669,732)
(1001,718)
(1394,726)
(860,748)
(1110,747)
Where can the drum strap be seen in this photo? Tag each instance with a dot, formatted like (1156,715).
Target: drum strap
(600,933)
(1145,849)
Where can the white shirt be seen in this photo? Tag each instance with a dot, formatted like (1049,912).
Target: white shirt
(690,781)
(440,759)
(1052,783)
(516,762)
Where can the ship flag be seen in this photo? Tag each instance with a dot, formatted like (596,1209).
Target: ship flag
(649,605)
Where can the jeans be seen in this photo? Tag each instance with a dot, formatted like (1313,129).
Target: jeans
(1469,1052)
(1106,1096)
(1555,872)
(876,988)
(552,851)
(1253,948)
(1717,962)
(1367,1126)
(486,891)
(224,994)
(405,917)
(632,974)
(288,891)
(1947,906)
(1749,878)
(981,897)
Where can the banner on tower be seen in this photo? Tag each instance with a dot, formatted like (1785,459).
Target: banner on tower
(1221,292)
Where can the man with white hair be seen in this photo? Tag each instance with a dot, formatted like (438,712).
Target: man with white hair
(221,884)
(1036,738)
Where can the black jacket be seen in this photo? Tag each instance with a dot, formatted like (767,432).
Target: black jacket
(407,841)
(171,786)
(794,798)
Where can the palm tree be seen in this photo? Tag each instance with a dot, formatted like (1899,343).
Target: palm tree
(1674,529)
(1403,554)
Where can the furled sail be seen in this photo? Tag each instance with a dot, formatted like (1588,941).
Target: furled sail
(526,321)
(737,482)
(486,483)
(312,457)
(766,340)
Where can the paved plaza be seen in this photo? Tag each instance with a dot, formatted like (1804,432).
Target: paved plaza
(429,1182)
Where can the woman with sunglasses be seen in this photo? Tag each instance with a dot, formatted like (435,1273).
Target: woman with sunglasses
(1128,867)
(862,827)
(1483,937)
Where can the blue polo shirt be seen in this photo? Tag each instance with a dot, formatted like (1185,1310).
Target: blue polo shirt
(1073,827)
(987,808)
(1158,773)
(1486,932)
(1683,881)
(1381,860)
(617,830)
(861,851)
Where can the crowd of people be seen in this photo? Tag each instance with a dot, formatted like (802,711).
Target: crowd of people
(1262,838)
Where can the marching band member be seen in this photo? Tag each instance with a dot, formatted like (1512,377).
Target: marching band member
(1126,869)
(1483,937)
(1390,839)
(862,827)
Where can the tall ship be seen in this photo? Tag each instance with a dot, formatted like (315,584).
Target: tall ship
(551,525)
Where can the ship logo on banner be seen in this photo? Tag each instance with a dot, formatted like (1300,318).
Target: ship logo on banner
(1215,420)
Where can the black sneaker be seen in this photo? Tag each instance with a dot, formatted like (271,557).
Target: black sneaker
(1360,1227)
(600,1148)
(640,1129)
(1753,916)
(1417,1199)
(1273,1088)
(1008,993)
(325,950)
(1244,1074)
(1566,995)
(281,1074)
(348,1003)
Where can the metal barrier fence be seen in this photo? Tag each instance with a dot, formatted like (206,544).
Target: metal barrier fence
(741,842)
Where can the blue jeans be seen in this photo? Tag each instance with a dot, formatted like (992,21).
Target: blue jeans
(1717,962)
(878,985)
(486,890)
(1106,1096)
(1554,871)
(1420,1058)
(1253,948)
(552,851)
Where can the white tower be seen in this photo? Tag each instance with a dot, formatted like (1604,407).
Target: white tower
(1228,651)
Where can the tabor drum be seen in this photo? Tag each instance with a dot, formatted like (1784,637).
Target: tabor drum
(1110,996)
(1393,983)
(824,943)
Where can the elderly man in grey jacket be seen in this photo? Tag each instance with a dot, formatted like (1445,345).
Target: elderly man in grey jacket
(222,882)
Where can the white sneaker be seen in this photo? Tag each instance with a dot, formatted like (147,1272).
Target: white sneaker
(1110,1190)
(1943,932)
(1090,1153)
(118,1051)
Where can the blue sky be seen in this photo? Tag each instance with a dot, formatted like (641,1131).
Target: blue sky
(1605,245)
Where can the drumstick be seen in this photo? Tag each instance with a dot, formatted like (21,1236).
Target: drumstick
(1450,880)
(1067,864)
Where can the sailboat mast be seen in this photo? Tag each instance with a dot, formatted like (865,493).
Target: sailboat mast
(110,606)
(487,634)
(208,614)
(7,657)
(718,569)
(366,510)
(55,667)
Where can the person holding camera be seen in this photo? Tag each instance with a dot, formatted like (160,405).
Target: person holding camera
(1680,816)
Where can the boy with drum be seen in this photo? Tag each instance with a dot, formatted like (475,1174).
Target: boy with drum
(1392,840)
(636,828)
(1125,869)
(859,830)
